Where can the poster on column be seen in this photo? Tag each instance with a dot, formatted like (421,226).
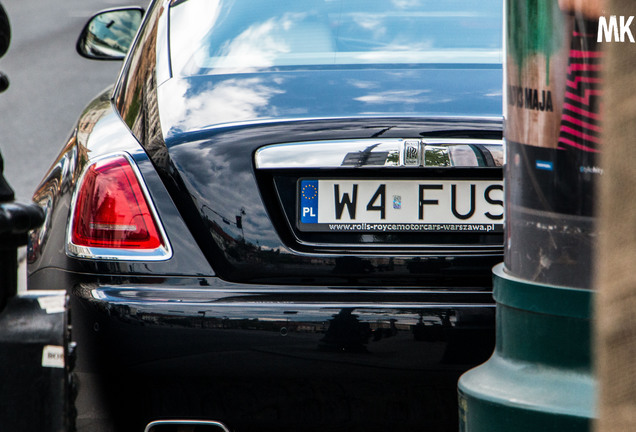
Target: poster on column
(552,112)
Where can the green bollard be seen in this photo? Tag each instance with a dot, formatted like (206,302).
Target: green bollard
(540,377)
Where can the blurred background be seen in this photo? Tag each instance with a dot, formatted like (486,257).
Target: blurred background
(49,84)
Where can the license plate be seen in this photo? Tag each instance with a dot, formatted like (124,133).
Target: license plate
(400,205)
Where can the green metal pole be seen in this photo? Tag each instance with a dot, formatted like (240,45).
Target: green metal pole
(540,376)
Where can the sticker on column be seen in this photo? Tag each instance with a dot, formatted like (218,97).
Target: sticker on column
(53,356)
(53,304)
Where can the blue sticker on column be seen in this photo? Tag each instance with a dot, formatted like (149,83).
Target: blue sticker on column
(309,201)
(544,165)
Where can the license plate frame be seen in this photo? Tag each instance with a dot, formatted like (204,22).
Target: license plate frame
(400,205)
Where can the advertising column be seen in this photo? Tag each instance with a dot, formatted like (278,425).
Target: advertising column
(553,94)
(539,377)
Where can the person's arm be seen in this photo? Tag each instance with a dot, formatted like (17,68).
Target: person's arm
(591,9)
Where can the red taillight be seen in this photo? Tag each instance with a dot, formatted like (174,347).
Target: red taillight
(111,210)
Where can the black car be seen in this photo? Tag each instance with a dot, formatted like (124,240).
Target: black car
(283,216)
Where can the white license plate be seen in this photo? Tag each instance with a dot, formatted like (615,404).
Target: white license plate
(400,205)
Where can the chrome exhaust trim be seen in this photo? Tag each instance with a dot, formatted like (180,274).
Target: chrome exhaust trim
(186,426)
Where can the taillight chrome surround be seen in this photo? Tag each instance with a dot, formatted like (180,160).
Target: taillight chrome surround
(161,253)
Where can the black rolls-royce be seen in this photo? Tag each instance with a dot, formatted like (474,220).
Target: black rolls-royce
(282,216)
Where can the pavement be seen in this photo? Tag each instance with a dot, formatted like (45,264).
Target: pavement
(22,269)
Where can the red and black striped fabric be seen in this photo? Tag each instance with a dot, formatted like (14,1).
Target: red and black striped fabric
(581,120)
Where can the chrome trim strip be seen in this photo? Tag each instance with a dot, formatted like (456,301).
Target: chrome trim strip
(197,309)
(374,153)
(193,301)
(164,67)
(160,254)
(184,294)
(174,306)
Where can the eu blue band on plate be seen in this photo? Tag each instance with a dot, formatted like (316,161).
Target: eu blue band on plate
(309,201)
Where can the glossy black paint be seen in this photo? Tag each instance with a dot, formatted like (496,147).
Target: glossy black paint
(255,325)
(327,360)
(223,185)
(347,92)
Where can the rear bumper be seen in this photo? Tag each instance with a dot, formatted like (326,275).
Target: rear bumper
(262,358)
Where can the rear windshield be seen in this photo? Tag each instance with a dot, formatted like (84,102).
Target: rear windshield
(234,36)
